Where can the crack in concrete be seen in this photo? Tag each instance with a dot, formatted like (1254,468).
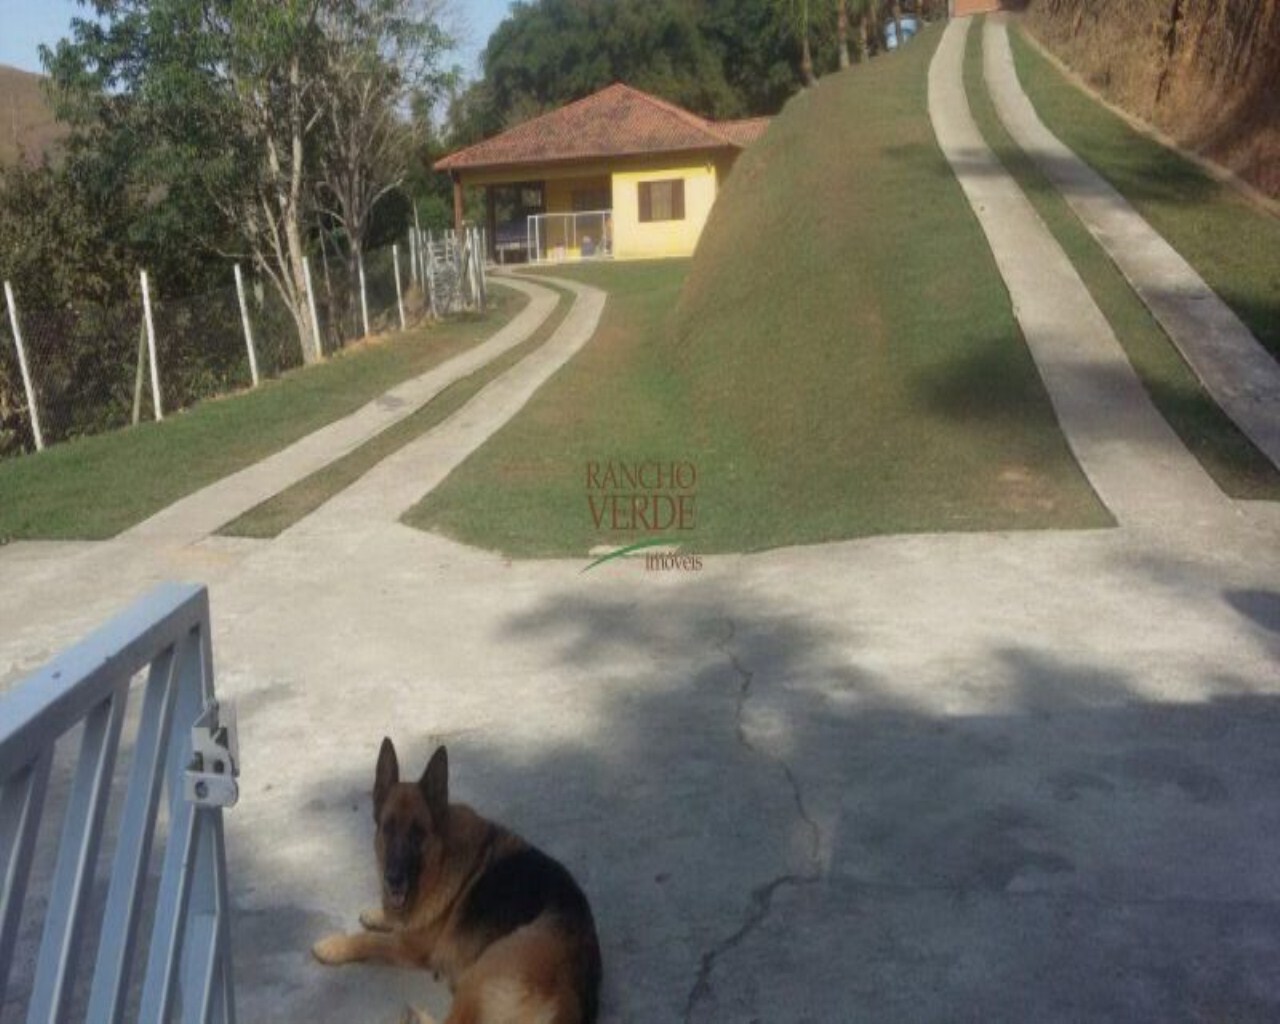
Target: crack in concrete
(762,896)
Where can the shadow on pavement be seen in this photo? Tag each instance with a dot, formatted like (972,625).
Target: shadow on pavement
(774,832)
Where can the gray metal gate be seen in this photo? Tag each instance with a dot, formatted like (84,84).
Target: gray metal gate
(181,746)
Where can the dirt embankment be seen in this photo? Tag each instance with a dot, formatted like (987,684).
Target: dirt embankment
(1207,72)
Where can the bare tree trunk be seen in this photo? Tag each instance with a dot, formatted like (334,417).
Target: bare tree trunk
(1170,46)
(864,34)
(842,32)
(806,64)
(292,207)
(896,7)
(806,53)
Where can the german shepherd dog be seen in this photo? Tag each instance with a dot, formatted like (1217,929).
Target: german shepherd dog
(502,922)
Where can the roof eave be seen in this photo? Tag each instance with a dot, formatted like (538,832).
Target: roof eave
(447,164)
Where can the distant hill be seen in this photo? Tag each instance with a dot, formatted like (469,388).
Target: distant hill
(27,125)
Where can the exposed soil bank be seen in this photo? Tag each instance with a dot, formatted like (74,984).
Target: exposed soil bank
(1202,70)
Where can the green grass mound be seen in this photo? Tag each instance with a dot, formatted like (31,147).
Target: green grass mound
(841,360)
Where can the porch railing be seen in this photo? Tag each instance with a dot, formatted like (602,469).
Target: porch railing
(178,746)
(559,237)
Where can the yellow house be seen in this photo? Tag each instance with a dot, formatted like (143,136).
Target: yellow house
(618,174)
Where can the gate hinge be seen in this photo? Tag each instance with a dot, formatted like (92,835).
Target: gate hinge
(215,760)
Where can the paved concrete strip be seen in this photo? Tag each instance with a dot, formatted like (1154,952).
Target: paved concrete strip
(1131,456)
(1237,371)
(398,482)
(203,512)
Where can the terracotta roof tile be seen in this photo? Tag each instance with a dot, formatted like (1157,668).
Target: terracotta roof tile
(616,121)
(743,132)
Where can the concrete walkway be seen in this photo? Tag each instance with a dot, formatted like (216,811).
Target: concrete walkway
(398,482)
(1136,463)
(1236,370)
(200,514)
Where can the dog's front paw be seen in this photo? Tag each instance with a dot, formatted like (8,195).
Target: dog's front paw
(332,949)
(375,920)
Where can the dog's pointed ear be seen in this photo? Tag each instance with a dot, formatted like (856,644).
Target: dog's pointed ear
(435,785)
(386,776)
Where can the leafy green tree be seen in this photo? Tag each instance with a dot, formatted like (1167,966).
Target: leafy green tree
(795,14)
(757,54)
(252,120)
(215,100)
(382,55)
(548,53)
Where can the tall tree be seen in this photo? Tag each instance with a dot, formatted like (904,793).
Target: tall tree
(795,14)
(383,56)
(260,111)
(548,53)
(216,100)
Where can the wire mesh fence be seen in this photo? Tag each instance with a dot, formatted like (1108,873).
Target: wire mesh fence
(83,367)
(91,367)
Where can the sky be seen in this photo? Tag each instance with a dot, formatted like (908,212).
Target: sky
(25,24)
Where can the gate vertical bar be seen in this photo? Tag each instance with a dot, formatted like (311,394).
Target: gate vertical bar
(169,927)
(137,832)
(77,857)
(20,809)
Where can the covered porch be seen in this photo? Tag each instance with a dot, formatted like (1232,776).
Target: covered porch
(547,219)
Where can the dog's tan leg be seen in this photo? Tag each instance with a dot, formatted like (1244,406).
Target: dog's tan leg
(387,947)
(415,1016)
(375,920)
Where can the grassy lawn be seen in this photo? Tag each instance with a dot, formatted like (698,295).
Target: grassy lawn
(97,486)
(830,366)
(280,512)
(523,492)
(1226,454)
(1233,244)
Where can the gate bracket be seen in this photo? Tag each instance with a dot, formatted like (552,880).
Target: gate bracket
(210,778)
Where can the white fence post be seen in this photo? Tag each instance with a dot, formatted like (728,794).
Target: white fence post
(22,365)
(248,331)
(415,239)
(395,257)
(311,302)
(413,255)
(151,346)
(473,279)
(364,302)
(427,281)
(481,259)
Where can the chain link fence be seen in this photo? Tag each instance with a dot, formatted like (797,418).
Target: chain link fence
(90,366)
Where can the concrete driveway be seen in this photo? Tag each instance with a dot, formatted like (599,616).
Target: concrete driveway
(997,777)
(1001,777)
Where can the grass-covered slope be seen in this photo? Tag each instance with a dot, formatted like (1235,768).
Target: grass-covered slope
(842,359)
(849,336)
(1232,244)
(1226,454)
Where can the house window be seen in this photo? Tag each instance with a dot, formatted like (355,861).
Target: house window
(661,200)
